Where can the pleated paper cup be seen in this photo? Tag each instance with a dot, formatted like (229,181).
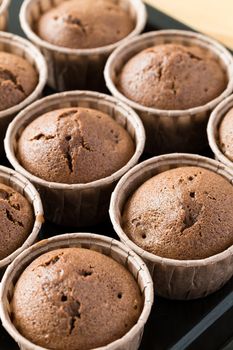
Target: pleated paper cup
(71,69)
(19,183)
(76,204)
(105,245)
(174,279)
(21,47)
(213,130)
(170,130)
(4,7)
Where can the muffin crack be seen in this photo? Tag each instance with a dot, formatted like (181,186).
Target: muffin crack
(72,324)
(84,144)
(73,310)
(66,114)
(86,273)
(160,71)
(7,197)
(70,19)
(11,218)
(193,56)
(6,75)
(4,195)
(69,159)
(66,146)
(191,216)
(52,261)
(173,87)
(42,136)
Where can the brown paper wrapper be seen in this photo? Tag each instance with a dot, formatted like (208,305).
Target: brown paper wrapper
(174,279)
(21,47)
(72,69)
(213,130)
(167,130)
(4,6)
(10,178)
(102,244)
(77,204)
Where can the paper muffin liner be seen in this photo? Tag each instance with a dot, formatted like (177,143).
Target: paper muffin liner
(105,245)
(4,6)
(71,69)
(170,130)
(16,181)
(174,279)
(213,130)
(21,47)
(76,204)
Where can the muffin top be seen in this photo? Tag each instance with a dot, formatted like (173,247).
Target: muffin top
(172,77)
(183,213)
(74,145)
(18,79)
(16,218)
(80,24)
(226,135)
(75,298)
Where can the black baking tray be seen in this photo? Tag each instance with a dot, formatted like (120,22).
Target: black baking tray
(200,324)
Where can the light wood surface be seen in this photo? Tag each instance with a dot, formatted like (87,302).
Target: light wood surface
(212,17)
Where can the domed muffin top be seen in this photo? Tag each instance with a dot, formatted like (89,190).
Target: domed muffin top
(183,213)
(74,145)
(81,24)
(16,220)
(75,298)
(18,79)
(172,77)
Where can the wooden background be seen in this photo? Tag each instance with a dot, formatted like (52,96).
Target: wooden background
(212,17)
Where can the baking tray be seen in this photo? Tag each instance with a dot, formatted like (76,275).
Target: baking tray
(200,324)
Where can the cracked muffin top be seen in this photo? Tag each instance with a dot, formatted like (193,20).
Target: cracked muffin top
(226,135)
(74,145)
(16,218)
(183,213)
(75,298)
(18,79)
(81,24)
(172,77)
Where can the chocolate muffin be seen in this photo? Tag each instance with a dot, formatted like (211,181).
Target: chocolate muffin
(183,213)
(74,145)
(75,298)
(16,218)
(226,135)
(172,77)
(80,24)
(18,79)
